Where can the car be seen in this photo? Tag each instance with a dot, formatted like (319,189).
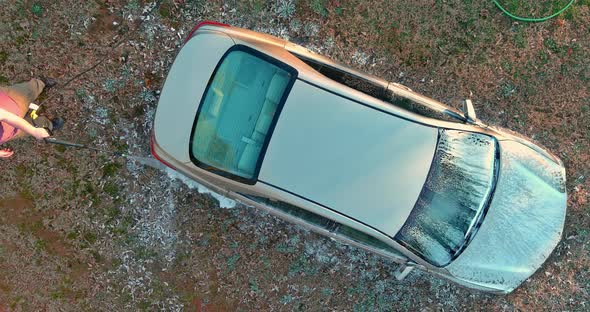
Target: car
(360,159)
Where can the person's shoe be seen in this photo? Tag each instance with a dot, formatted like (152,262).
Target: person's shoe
(6,152)
(57,123)
(48,81)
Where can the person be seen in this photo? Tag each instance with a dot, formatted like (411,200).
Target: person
(14,105)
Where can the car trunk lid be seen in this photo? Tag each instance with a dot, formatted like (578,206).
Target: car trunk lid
(183,89)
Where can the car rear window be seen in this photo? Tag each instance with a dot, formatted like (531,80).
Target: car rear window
(238,112)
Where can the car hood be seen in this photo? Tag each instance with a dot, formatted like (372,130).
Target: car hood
(349,157)
(523,224)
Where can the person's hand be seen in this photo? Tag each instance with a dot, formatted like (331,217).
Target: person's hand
(40,133)
(6,152)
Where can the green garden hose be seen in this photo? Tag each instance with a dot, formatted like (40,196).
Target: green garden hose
(532,19)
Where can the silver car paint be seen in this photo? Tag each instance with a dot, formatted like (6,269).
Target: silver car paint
(320,150)
(274,47)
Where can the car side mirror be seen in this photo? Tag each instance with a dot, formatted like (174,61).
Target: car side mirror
(469,111)
(403,271)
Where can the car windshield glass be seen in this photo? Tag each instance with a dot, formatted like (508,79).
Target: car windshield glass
(237,113)
(453,200)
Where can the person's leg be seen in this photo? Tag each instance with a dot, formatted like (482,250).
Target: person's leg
(24,93)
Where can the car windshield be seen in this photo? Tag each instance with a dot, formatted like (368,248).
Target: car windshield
(237,113)
(453,200)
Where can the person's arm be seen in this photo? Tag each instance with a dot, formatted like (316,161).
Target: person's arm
(21,124)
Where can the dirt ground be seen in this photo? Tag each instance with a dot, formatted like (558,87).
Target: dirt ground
(83,231)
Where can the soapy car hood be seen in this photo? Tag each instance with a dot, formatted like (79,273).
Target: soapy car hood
(523,224)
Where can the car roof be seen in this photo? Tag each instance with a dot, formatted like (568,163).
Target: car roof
(349,157)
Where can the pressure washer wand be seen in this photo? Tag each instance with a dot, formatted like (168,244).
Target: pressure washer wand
(53,140)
